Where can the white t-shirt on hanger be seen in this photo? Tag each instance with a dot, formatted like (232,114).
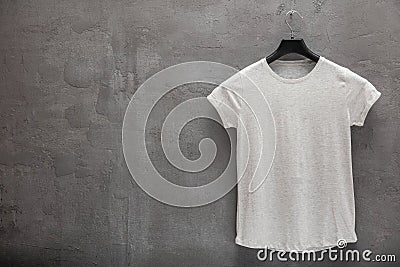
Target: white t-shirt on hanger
(307,199)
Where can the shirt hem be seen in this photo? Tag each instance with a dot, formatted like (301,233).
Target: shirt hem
(298,248)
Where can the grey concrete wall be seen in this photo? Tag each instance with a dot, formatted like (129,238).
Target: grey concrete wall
(67,72)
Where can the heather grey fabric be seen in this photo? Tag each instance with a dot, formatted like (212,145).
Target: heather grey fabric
(307,200)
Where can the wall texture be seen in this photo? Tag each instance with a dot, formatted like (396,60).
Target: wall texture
(67,72)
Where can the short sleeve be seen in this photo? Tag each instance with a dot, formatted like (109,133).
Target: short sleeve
(226,99)
(360,96)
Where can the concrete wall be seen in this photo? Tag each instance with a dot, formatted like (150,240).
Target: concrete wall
(67,72)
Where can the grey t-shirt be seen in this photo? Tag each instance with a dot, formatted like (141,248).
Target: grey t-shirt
(307,200)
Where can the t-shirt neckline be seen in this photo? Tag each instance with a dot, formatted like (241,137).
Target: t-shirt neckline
(293,62)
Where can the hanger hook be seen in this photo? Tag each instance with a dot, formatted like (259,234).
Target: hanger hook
(291,12)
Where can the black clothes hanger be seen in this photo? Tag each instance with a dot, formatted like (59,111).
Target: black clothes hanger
(292,45)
